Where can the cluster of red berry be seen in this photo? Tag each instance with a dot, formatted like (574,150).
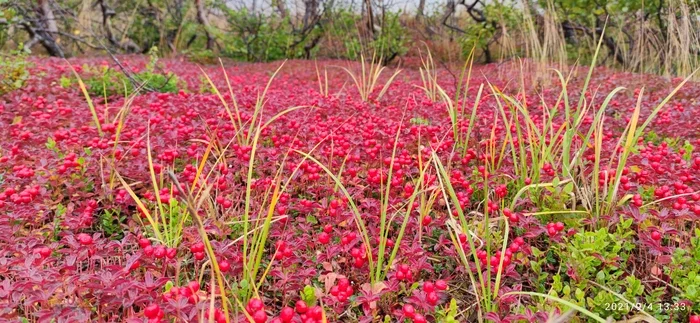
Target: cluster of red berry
(507,257)
(359,256)
(403,273)
(159,251)
(554,228)
(343,290)
(256,309)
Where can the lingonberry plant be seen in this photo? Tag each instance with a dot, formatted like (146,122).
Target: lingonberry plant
(292,197)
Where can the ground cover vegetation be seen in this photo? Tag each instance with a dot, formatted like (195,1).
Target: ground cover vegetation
(383,174)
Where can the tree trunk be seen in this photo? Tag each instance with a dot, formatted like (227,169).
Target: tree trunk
(107,14)
(281,8)
(420,13)
(47,30)
(44,38)
(47,16)
(204,21)
(370,18)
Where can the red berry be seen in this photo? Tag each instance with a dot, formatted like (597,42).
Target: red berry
(193,299)
(159,252)
(43,251)
(224,266)
(514,247)
(428,287)
(441,284)
(324,238)
(400,275)
(301,307)
(494,261)
(343,283)
(197,247)
(287,314)
(559,226)
(506,261)
(171,253)
(462,238)
(255,305)
(328,228)
(260,316)
(513,217)
(432,298)
(419,318)
(143,242)
(84,239)
(656,235)
(151,311)
(316,313)
(409,311)
(694,319)
(193,286)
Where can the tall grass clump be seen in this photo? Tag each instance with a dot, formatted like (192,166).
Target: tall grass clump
(196,202)
(560,136)
(380,265)
(367,80)
(562,143)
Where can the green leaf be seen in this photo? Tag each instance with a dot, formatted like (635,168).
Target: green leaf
(634,286)
(308,295)
(556,283)
(688,147)
(311,219)
(626,224)
(600,277)
(65,82)
(453,308)
(51,144)
(580,295)
(568,188)
(60,210)
(168,286)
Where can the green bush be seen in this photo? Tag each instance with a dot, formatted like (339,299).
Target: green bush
(391,39)
(389,42)
(109,82)
(255,37)
(685,272)
(480,35)
(588,260)
(13,71)
(204,56)
(343,30)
